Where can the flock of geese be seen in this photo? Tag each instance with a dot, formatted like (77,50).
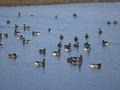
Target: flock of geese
(72,60)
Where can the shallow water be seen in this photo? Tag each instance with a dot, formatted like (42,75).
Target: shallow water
(22,74)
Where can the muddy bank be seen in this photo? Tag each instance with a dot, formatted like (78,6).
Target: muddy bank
(45,2)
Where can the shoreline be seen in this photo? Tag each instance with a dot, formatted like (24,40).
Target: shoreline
(48,2)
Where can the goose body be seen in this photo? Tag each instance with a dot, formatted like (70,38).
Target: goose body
(75,38)
(26,41)
(86,36)
(50,30)
(56,53)
(26,27)
(42,51)
(20,37)
(100,31)
(105,43)
(61,37)
(76,45)
(1,45)
(35,33)
(40,63)
(87,48)
(67,47)
(75,60)
(16,32)
(2,35)
(98,65)
(14,55)
(16,27)
(74,15)
(59,45)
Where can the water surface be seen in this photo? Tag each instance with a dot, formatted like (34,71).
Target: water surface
(22,74)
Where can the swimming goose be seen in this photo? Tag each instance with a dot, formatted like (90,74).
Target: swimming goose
(26,41)
(40,63)
(26,27)
(3,35)
(16,32)
(61,37)
(115,22)
(16,27)
(20,37)
(98,65)
(67,47)
(104,43)
(8,21)
(86,36)
(74,15)
(77,60)
(59,45)
(55,17)
(87,48)
(50,30)
(56,53)
(75,38)
(35,33)
(108,22)
(76,45)
(100,31)
(13,55)
(19,14)
(1,45)
(42,51)
(86,44)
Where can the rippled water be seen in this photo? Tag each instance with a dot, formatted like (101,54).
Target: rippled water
(22,74)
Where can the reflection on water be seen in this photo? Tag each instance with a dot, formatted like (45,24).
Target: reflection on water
(28,30)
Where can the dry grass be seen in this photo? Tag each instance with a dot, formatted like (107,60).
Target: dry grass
(44,2)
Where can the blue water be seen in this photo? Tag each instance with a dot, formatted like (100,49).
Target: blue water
(22,74)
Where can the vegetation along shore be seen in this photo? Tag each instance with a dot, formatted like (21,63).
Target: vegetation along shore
(46,2)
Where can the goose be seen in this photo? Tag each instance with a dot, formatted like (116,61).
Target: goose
(8,21)
(76,45)
(26,27)
(1,45)
(56,53)
(86,36)
(16,27)
(35,33)
(13,55)
(86,44)
(19,14)
(67,47)
(20,37)
(16,32)
(59,45)
(3,35)
(75,60)
(87,48)
(26,41)
(74,15)
(42,51)
(108,22)
(75,38)
(98,65)
(115,22)
(40,63)
(104,43)
(50,30)
(55,17)
(61,37)
(100,31)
